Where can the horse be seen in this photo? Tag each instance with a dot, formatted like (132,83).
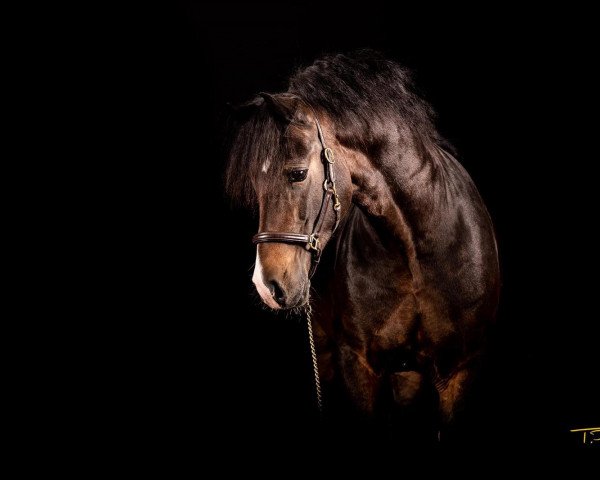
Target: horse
(348,161)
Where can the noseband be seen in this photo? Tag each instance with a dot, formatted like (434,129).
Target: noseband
(311,242)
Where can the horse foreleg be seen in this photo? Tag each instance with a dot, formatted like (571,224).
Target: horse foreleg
(451,392)
(360,381)
(406,387)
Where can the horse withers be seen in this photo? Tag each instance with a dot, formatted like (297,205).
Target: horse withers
(348,161)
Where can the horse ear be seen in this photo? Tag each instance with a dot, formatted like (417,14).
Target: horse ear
(245,110)
(284,105)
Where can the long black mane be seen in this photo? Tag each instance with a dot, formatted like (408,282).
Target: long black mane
(367,96)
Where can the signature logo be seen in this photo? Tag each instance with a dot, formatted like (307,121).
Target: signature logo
(589,436)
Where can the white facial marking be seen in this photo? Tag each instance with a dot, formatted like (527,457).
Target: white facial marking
(266,165)
(263,290)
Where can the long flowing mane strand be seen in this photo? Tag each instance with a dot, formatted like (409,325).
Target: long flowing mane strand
(256,140)
(363,92)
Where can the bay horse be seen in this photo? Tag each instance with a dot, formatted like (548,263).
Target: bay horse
(349,156)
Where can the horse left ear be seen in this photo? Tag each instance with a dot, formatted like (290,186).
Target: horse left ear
(285,106)
(245,110)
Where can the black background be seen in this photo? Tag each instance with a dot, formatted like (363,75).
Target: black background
(511,89)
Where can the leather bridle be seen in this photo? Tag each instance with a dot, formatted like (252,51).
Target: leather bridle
(311,241)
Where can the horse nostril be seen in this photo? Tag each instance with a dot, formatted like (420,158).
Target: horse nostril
(277,292)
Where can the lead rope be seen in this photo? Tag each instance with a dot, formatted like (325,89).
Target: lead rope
(313,355)
(311,339)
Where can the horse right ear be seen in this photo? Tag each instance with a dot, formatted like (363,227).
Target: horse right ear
(245,110)
(286,106)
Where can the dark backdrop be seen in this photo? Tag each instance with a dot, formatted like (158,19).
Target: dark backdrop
(510,89)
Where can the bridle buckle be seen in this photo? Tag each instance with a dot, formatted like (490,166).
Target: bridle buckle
(329,186)
(313,243)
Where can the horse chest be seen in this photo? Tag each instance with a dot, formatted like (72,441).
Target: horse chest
(378,317)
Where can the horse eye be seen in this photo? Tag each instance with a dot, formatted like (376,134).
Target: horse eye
(298,175)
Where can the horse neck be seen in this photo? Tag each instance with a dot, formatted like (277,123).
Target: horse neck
(398,184)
